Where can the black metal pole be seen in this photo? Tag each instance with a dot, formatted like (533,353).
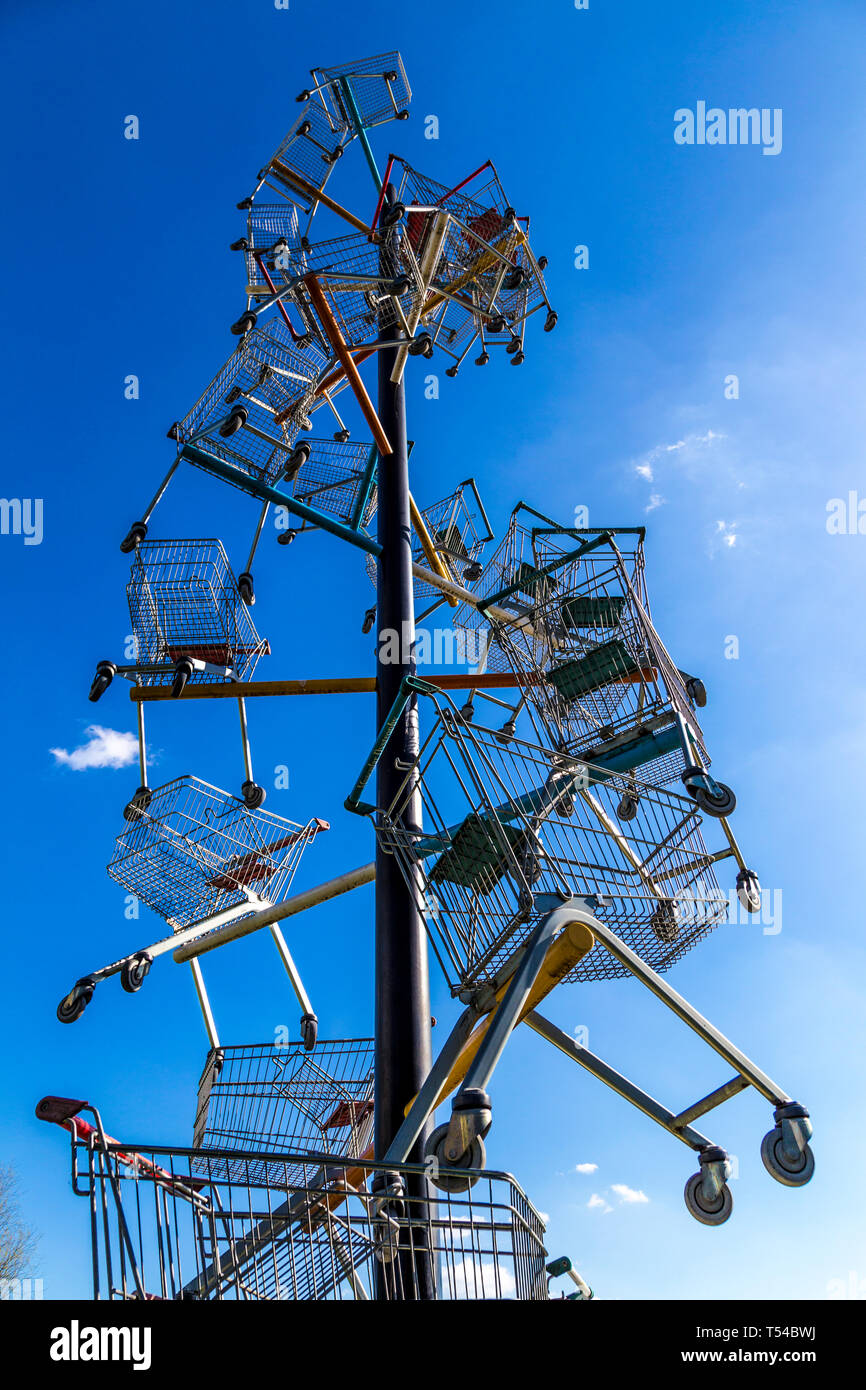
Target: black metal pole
(403,1048)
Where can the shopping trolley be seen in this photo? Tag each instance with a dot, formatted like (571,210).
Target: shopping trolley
(366,92)
(593,665)
(180,1223)
(281,1098)
(449,536)
(304,160)
(481,277)
(200,858)
(518,845)
(190,625)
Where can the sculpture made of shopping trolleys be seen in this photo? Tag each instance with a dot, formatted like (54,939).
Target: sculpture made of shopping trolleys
(592,664)
(527,879)
(191,625)
(241,1223)
(449,537)
(200,858)
(278,1098)
(481,278)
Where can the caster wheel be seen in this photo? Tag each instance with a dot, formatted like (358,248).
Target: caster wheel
(280,247)
(512,346)
(286,537)
(664,924)
(244,205)
(709,1213)
(303,96)
(507,732)
(496,324)
(451,371)
(309,1031)
(76,1001)
(306,244)
(482,360)
(136,535)
(749,890)
(473,572)
(543,263)
(241,245)
(448,1176)
(551,321)
(421,346)
(392,214)
(369,619)
(234,422)
(245,588)
(253,795)
(467,712)
(628,806)
(138,804)
(516,278)
(305,127)
(789,1172)
(518,359)
(134,973)
(721,805)
(182,672)
(105,673)
(342,436)
(697,692)
(245,323)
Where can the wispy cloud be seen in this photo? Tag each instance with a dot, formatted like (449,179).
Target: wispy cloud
(656,500)
(690,447)
(597,1203)
(726,533)
(644,470)
(628,1195)
(104,748)
(586,1167)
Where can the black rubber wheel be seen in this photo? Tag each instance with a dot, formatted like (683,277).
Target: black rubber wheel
(512,346)
(628,806)
(696,691)
(245,588)
(253,795)
(482,360)
(182,673)
(449,1176)
(452,371)
(105,673)
(709,1213)
(241,245)
(392,214)
(342,436)
(305,127)
(369,619)
(309,1031)
(551,321)
(137,804)
(663,923)
(473,571)
(234,422)
(518,359)
(722,805)
(496,325)
(245,323)
(421,346)
(749,890)
(81,995)
(135,535)
(789,1173)
(134,973)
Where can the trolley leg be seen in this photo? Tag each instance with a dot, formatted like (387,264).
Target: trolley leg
(425,1102)
(204,1003)
(251,792)
(309,1021)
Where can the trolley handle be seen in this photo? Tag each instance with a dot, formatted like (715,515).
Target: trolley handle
(62,1111)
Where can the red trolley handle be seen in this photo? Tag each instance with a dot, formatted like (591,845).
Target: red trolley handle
(60,1110)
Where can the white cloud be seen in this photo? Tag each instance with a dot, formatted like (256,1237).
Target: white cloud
(586,1167)
(598,1203)
(470,1279)
(104,748)
(726,532)
(629,1195)
(656,500)
(644,470)
(545,1216)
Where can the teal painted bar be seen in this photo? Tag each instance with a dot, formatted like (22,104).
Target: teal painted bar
(361,132)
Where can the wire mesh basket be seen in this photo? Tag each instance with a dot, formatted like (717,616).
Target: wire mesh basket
(278,1098)
(594,666)
(174,1223)
(458,528)
(337,478)
(271,228)
(250,415)
(305,158)
(487,280)
(193,851)
(368,286)
(184,603)
(372,89)
(507,823)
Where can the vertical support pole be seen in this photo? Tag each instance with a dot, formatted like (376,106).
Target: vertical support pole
(403,1047)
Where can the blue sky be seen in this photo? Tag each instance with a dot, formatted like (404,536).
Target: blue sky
(704,261)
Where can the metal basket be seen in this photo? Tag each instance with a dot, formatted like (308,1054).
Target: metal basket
(371,90)
(250,415)
(270,227)
(487,282)
(338,478)
(184,602)
(193,851)
(175,1223)
(308,153)
(459,530)
(509,825)
(279,1098)
(596,670)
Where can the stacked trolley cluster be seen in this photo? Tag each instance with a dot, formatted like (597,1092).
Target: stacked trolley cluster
(550,837)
